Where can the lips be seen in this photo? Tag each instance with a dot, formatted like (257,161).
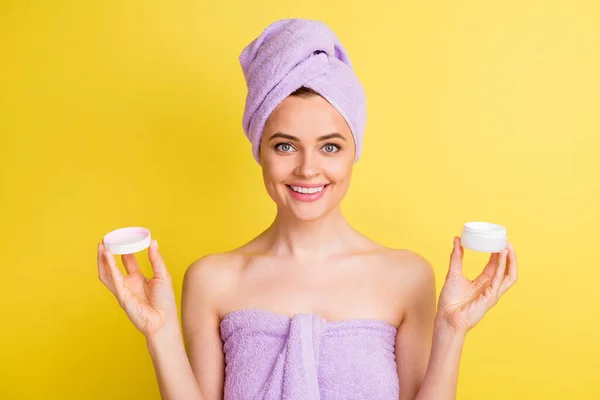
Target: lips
(307,192)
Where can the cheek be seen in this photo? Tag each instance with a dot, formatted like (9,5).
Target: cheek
(276,170)
(274,167)
(269,175)
(340,172)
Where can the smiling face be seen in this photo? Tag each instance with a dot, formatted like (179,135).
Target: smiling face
(307,153)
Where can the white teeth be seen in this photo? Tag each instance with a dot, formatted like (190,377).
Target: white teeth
(305,190)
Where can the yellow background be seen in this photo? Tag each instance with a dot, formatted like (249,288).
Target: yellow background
(121,113)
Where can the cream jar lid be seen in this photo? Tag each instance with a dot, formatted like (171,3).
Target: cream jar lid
(127,240)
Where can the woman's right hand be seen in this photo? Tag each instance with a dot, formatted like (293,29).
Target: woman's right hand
(149,303)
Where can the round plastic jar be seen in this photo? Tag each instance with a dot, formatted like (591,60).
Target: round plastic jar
(484,236)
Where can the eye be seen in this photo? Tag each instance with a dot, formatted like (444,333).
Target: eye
(284,147)
(331,148)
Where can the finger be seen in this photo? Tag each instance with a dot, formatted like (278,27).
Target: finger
(130,263)
(103,272)
(511,277)
(481,281)
(116,275)
(158,265)
(499,274)
(456,258)
(489,269)
(494,258)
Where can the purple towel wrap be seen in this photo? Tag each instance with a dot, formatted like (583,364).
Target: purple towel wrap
(270,356)
(292,53)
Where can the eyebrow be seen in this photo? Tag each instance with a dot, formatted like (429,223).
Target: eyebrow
(295,139)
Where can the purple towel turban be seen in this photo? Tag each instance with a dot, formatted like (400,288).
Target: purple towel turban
(292,53)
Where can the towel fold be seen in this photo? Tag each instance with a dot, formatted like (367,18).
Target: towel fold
(292,53)
(272,356)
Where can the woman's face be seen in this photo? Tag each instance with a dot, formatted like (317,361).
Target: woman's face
(307,153)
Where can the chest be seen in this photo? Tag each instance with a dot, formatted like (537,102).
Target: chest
(335,290)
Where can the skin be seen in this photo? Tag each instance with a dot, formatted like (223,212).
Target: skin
(308,247)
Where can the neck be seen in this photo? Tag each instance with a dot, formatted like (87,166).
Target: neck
(327,235)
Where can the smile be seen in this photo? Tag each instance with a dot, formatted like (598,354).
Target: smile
(305,193)
(309,190)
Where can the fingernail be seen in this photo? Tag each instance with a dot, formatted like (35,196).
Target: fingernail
(156,243)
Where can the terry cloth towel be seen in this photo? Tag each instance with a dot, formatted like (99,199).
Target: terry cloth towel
(272,356)
(292,53)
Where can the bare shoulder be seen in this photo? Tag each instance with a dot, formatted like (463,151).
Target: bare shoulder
(215,267)
(405,265)
(412,275)
(411,265)
(209,280)
(411,262)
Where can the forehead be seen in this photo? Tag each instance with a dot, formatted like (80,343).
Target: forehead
(306,118)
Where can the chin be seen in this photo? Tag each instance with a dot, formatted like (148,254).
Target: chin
(310,211)
(308,215)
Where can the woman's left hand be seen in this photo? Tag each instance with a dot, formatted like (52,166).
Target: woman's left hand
(463,303)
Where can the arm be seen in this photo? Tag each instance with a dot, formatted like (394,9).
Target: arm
(462,304)
(190,366)
(173,371)
(441,378)
(413,340)
(204,288)
(150,304)
(427,369)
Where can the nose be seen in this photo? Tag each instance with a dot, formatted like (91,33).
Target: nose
(308,165)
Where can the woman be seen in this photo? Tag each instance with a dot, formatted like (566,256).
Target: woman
(310,308)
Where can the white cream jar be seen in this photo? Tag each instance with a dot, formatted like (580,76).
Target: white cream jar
(484,236)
